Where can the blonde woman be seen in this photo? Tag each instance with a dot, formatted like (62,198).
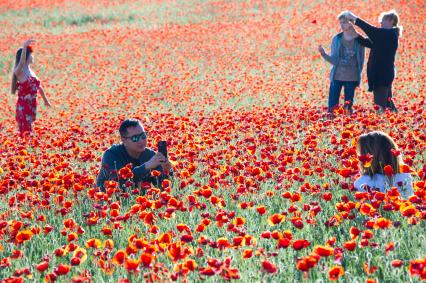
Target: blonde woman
(347,59)
(383,42)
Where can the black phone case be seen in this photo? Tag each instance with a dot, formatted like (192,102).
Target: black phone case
(162,147)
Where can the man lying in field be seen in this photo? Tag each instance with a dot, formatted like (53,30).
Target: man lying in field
(147,165)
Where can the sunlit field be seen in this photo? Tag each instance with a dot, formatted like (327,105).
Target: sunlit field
(263,188)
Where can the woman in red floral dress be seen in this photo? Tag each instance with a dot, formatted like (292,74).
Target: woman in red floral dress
(26,83)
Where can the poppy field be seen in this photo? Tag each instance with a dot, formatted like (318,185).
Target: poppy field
(263,187)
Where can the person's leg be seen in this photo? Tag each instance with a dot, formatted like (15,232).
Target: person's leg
(380,96)
(334,93)
(391,104)
(22,112)
(349,95)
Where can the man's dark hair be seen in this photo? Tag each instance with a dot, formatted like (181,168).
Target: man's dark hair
(128,123)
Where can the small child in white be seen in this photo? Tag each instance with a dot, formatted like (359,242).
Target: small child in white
(380,169)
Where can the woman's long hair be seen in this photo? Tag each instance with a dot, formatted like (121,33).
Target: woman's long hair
(393,16)
(380,146)
(18,58)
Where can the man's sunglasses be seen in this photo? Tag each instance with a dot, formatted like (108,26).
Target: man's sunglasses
(136,138)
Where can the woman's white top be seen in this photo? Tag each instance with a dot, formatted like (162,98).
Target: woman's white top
(402,181)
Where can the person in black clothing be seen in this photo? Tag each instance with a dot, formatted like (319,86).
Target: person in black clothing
(383,43)
(132,150)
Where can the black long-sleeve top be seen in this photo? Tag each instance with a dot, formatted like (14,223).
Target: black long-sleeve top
(381,61)
(116,157)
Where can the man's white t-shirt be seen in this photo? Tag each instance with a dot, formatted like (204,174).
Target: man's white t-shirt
(402,181)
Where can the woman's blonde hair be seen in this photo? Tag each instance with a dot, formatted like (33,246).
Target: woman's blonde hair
(380,146)
(342,15)
(393,16)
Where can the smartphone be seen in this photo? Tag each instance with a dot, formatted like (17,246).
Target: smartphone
(162,147)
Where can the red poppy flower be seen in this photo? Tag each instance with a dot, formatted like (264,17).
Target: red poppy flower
(417,267)
(283,243)
(345,172)
(155,173)
(335,272)
(261,209)
(62,269)
(269,267)
(388,170)
(42,266)
(397,263)
(300,244)
(147,259)
(350,245)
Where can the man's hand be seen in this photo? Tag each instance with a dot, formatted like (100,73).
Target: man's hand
(167,166)
(155,161)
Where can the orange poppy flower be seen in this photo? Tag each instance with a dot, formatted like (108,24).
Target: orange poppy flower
(275,219)
(190,265)
(132,265)
(369,270)
(93,243)
(23,236)
(324,251)
(119,257)
(354,232)
(382,223)
(248,253)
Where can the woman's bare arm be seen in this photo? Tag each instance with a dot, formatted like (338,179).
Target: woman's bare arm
(23,59)
(43,94)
